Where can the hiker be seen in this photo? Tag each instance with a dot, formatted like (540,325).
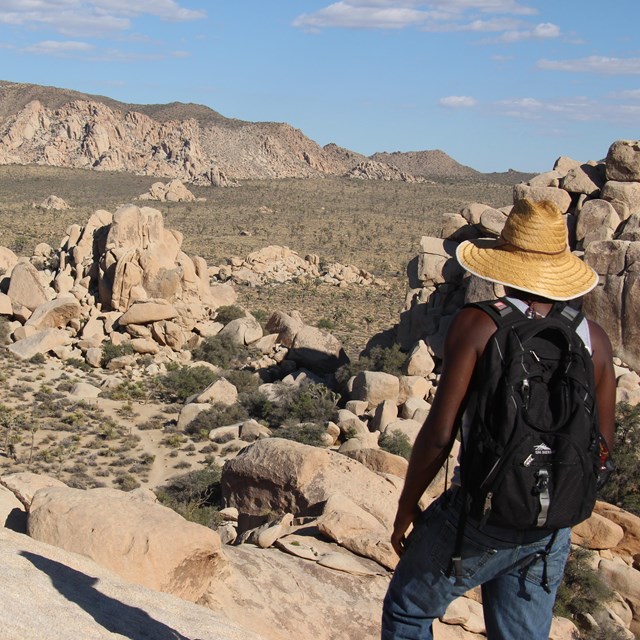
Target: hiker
(519,569)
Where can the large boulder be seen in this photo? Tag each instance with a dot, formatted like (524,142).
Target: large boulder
(143,542)
(317,350)
(629,523)
(147,313)
(611,303)
(558,196)
(624,197)
(25,484)
(280,476)
(623,161)
(282,596)
(375,387)
(597,532)
(77,598)
(626,581)
(56,314)
(41,342)
(25,287)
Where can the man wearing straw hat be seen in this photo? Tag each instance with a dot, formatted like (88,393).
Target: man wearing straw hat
(533,262)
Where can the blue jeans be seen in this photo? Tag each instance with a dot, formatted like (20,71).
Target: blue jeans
(507,563)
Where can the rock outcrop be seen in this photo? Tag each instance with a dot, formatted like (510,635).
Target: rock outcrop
(602,204)
(142,541)
(372,170)
(78,598)
(277,265)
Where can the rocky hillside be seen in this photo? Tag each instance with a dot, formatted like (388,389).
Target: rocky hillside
(190,142)
(431,164)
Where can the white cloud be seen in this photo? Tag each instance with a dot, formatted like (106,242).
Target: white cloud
(398,14)
(58,48)
(343,14)
(457,102)
(180,54)
(576,109)
(91,17)
(542,31)
(594,64)
(629,94)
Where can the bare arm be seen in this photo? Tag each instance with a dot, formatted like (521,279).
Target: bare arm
(465,342)
(605,381)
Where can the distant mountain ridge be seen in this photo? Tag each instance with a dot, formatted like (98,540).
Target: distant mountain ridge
(63,127)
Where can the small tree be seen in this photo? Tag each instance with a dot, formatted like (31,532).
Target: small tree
(623,487)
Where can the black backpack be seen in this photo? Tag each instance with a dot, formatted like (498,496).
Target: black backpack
(531,457)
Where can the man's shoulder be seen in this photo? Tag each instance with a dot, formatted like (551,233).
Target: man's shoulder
(471,329)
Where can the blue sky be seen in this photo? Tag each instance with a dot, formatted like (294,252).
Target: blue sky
(496,84)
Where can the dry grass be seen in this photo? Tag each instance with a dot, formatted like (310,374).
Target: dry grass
(373,225)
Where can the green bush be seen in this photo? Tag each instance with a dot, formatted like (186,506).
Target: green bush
(387,359)
(582,591)
(178,384)
(195,496)
(222,351)
(309,402)
(111,351)
(309,433)
(126,482)
(5,330)
(218,416)
(243,381)
(397,443)
(229,312)
(623,487)
(326,324)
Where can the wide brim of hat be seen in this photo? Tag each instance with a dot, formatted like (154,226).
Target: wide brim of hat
(561,276)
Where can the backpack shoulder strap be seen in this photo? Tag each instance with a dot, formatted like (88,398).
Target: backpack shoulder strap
(571,317)
(501,311)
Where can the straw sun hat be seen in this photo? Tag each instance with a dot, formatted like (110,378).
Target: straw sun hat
(532,255)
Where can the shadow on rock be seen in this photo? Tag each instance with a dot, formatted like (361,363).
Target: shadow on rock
(113,615)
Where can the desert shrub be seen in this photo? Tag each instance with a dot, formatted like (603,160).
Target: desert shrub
(229,312)
(623,487)
(387,359)
(582,591)
(111,351)
(261,316)
(126,482)
(37,358)
(5,330)
(126,390)
(307,433)
(178,384)
(173,440)
(221,351)
(78,363)
(397,443)
(326,324)
(243,381)
(307,403)
(195,496)
(218,416)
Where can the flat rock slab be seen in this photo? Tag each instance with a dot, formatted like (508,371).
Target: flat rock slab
(76,598)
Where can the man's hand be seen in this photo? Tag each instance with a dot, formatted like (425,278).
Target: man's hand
(403,519)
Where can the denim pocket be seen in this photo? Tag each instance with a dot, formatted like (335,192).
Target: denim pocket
(556,560)
(474,553)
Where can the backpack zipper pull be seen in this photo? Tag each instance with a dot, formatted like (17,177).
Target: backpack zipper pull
(525,389)
(486,510)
